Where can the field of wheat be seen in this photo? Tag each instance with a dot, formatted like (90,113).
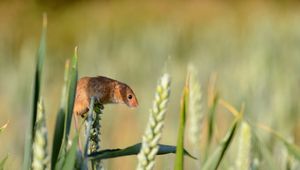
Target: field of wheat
(217,84)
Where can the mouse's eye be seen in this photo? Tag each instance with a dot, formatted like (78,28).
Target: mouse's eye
(130,96)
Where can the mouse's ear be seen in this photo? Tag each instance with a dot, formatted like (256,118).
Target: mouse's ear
(119,91)
(117,85)
(123,87)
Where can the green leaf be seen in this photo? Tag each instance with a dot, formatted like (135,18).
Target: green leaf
(3,162)
(71,94)
(36,93)
(263,154)
(132,150)
(58,136)
(38,72)
(293,149)
(213,100)
(179,162)
(211,120)
(3,127)
(215,159)
(71,155)
(60,160)
(60,119)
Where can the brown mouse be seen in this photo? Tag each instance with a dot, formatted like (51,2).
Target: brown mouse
(105,90)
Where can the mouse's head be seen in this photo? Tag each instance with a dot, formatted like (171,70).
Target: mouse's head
(127,96)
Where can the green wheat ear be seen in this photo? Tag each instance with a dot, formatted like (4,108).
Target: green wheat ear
(195,107)
(195,117)
(155,124)
(40,153)
(244,147)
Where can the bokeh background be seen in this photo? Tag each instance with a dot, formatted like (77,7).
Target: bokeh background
(253,47)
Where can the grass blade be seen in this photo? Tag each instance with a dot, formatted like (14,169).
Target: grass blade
(38,72)
(133,150)
(293,149)
(215,159)
(211,119)
(179,162)
(263,155)
(71,94)
(213,99)
(60,120)
(36,93)
(71,155)
(212,104)
(58,137)
(2,162)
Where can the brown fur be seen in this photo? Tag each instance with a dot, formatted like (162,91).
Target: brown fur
(105,90)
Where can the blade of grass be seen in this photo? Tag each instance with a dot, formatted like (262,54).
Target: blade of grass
(71,94)
(71,155)
(2,163)
(230,108)
(213,99)
(133,150)
(60,120)
(212,114)
(264,156)
(291,148)
(215,159)
(211,125)
(38,72)
(36,93)
(179,162)
(58,137)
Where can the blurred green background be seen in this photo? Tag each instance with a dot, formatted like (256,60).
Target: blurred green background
(253,47)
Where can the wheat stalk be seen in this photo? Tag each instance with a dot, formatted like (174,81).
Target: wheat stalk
(155,124)
(95,135)
(93,132)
